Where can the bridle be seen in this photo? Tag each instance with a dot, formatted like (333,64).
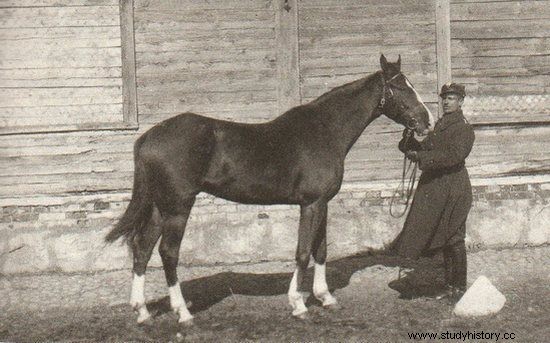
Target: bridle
(387,96)
(386,90)
(403,191)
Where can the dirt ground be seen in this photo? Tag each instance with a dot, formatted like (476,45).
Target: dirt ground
(248,303)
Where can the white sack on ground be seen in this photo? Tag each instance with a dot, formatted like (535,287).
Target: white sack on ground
(482,298)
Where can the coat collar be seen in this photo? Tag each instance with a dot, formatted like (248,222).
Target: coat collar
(450,119)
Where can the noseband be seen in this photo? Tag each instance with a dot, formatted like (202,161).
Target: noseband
(387,95)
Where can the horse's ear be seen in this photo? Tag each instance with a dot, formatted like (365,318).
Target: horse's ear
(383,62)
(398,63)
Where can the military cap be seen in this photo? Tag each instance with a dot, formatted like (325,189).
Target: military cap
(455,88)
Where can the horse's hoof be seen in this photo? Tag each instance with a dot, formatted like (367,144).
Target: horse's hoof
(187,323)
(302,316)
(333,307)
(148,321)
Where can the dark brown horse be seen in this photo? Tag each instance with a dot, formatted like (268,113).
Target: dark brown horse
(297,158)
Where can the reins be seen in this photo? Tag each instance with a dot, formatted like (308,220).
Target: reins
(401,191)
(404,193)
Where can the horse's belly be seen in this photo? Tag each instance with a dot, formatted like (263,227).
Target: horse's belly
(253,195)
(250,188)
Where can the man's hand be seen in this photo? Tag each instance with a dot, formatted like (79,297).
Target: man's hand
(408,133)
(412,155)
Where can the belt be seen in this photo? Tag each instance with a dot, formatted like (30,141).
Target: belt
(448,170)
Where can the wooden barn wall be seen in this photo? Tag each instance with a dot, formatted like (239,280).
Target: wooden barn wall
(65,163)
(190,56)
(60,64)
(248,60)
(341,41)
(220,59)
(213,58)
(501,52)
(60,67)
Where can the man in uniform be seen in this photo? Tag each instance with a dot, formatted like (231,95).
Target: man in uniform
(443,198)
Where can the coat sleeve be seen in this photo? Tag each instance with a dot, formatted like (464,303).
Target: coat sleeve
(451,149)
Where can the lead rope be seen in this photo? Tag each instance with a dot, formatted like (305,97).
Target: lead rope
(402,192)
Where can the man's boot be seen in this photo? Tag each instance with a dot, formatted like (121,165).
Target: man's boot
(448,265)
(460,269)
(454,257)
(448,268)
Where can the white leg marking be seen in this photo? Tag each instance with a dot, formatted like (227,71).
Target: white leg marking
(137,298)
(430,115)
(295,298)
(178,303)
(320,287)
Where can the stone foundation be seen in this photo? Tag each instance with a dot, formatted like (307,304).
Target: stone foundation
(66,233)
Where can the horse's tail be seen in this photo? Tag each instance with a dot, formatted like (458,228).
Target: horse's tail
(140,209)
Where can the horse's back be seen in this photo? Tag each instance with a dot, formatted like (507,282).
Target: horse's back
(271,162)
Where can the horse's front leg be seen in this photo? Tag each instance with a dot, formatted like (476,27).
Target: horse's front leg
(320,287)
(319,250)
(311,216)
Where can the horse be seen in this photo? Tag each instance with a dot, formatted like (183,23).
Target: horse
(296,158)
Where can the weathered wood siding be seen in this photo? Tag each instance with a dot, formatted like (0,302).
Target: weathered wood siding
(60,68)
(65,163)
(249,60)
(60,64)
(501,51)
(341,41)
(220,59)
(214,58)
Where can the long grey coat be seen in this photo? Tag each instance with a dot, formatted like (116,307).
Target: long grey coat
(443,196)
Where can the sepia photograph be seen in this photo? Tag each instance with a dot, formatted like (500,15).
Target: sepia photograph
(274,171)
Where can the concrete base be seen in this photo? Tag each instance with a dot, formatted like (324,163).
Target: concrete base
(66,233)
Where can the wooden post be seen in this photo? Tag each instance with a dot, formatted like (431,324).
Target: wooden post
(129,92)
(443,43)
(288,62)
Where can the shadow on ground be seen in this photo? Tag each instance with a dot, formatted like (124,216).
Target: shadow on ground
(371,310)
(417,281)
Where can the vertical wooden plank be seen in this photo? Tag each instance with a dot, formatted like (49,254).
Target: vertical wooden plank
(129,92)
(288,63)
(443,43)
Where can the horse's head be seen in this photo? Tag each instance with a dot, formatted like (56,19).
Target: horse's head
(400,101)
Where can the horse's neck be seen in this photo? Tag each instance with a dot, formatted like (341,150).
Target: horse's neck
(350,110)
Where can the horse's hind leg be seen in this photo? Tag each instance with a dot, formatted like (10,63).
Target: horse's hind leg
(172,233)
(142,245)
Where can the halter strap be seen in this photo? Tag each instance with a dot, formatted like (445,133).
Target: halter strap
(385,89)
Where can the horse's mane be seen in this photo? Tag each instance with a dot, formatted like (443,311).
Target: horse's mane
(348,89)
